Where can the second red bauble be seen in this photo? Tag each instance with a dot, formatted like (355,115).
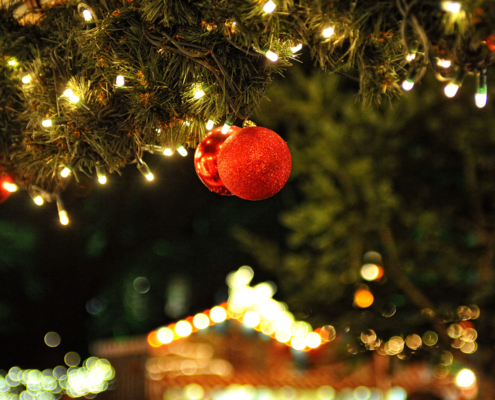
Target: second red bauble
(254,163)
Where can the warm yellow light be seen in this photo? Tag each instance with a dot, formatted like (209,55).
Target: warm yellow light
(149,176)
(68,93)
(65,172)
(209,125)
(75,99)
(363,298)
(120,81)
(480,99)
(165,335)
(451,6)
(199,93)
(410,57)
(218,314)
(370,272)
(168,152)
(296,48)
(64,217)
(201,321)
(183,328)
(38,200)
(414,341)
(225,129)
(10,187)
(87,15)
(465,378)
(47,123)
(102,179)
(182,151)
(252,319)
(282,336)
(407,85)
(12,63)
(269,7)
(328,32)
(444,63)
(451,90)
(298,343)
(313,340)
(26,79)
(271,56)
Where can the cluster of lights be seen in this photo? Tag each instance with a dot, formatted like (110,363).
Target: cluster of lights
(255,308)
(90,379)
(463,333)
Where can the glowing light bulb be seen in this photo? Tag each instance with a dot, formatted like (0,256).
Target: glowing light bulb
(313,340)
(451,90)
(65,172)
(87,15)
(451,6)
(183,328)
(38,200)
(145,171)
(480,99)
(271,56)
(165,335)
(199,93)
(269,7)
(201,321)
(47,123)
(209,125)
(328,32)
(182,151)
(150,176)
(296,48)
(407,85)
(411,57)
(12,63)
(26,79)
(100,172)
(252,319)
(64,217)
(225,129)
(75,99)
(444,63)
(465,378)
(167,152)
(10,187)
(120,81)
(68,93)
(218,314)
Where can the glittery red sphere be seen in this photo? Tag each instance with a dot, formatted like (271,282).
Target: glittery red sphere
(205,159)
(254,163)
(4,193)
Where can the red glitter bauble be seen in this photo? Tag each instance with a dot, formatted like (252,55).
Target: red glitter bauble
(254,163)
(205,159)
(4,193)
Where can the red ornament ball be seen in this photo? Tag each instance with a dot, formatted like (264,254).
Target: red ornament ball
(4,193)
(254,163)
(205,159)
(490,42)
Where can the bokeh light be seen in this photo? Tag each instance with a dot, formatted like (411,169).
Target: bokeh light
(414,341)
(371,272)
(252,319)
(201,321)
(465,378)
(52,339)
(164,335)
(218,314)
(141,285)
(363,298)
(430,338)
(183,328)
(72,359)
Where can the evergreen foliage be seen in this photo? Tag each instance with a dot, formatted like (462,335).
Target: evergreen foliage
(167,50)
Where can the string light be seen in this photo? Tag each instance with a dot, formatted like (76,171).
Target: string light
(465,378)
(269,7)
(72,97)
(26,79)
(87,15)
(198,93)
(481,95)
(144,169)
(408,84)
(328,32)
(209,125)
(182,151)
(62,213)
(444,63)
(66,171)
(225,128)
(410,57)
(38,200)
(296,48)
(120,81)
(100,172)
(47,123)
(12,62)
(271,56)
(10,187)
(451,6)
(452,88)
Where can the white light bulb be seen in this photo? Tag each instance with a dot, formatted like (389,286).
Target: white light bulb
(38,200)
(199,93)
(102,179)
(149,176)
(444,63)
(451,90)
(182,151)
(64,217)
(168,152)
(465,378)
(296,48)
(120,81)
(47,123)
(480,99)
(407,85)
(411,57)
(65,172)
(87,15)
(328,32)
(209,125)
(271,56)
(10,187)
(26,79)
(225,129)
(12,63)
(75,99)
(269,7)
(68,93)
(451,6)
